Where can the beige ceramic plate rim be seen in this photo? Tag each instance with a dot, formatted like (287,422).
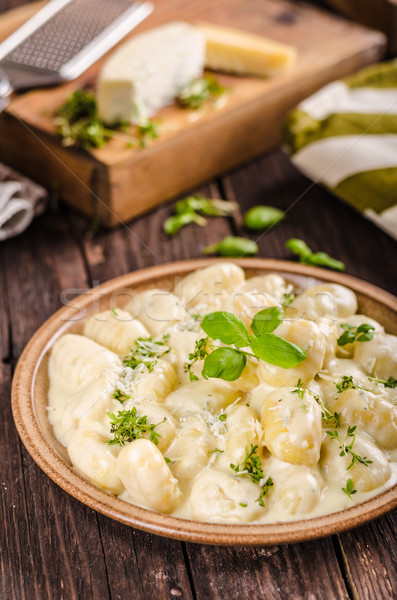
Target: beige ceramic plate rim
(226,534)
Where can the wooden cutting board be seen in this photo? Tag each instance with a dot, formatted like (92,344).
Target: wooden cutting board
(116,183)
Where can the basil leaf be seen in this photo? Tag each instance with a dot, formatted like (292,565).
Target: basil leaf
(224,363)
(277,351)
(266,321)
(226,327)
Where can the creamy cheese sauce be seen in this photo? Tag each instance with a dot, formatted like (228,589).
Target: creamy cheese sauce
(205,426)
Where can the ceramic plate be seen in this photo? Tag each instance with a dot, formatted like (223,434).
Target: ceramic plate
(29,401)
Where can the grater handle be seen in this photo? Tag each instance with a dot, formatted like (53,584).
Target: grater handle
(5,90)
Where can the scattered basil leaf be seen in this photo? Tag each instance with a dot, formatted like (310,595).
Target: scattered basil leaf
(233,246)
(306,256)
(259,218)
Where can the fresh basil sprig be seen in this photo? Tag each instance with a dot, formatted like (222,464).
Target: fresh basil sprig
(229,362)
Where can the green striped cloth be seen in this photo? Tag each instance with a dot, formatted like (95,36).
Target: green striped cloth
(345,137)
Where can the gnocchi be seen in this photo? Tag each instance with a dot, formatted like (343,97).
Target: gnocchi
(139,417)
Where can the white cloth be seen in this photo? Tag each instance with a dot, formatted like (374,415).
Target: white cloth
(20,202)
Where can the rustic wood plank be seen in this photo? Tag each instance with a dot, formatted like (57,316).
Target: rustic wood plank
(369,556)
(304,571)
(314,215)
(143,566)
(143,243)
(52,541)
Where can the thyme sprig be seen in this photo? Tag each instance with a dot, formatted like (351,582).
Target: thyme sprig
(252,468)
(347,448)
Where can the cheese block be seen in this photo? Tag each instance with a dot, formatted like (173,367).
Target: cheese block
(147,72)
(234,51)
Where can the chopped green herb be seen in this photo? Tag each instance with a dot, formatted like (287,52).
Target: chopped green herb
(146,352)
(265,489)
(214,450)
(306,256)
(168,460)
(146,131)
(388,383)
(252,468)
(200,91)
(346,383)
(78,123)
(243,504)
(114,312)
(349,491)
(120,396)
(222,417)
(288,297)
(351,334)
(200,352)
(127,426)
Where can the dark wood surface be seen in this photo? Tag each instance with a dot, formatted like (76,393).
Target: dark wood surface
(51,546)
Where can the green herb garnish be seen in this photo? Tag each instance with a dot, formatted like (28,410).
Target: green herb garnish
(190,210)
(306,256)
(233,246)
(351,334)
(175,223)
(127,426)
(210,207)
(346,448)
(214,450)
(120,396)
(288,297)
(349,491)
(200,91)
(146,352)
(346,383)
(259,218)
(222,417)
(252,468)
(300,391)
(228,362)
(200,352)
(147,130)
(78,122)
(388,383)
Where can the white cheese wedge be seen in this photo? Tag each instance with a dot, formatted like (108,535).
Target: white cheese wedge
(147,72)
(234,51)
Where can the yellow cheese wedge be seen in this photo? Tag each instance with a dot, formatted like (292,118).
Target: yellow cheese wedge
(234,51)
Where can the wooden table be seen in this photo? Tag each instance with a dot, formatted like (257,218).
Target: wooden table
(54,547)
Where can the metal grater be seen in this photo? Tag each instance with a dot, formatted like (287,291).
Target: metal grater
(63,39)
